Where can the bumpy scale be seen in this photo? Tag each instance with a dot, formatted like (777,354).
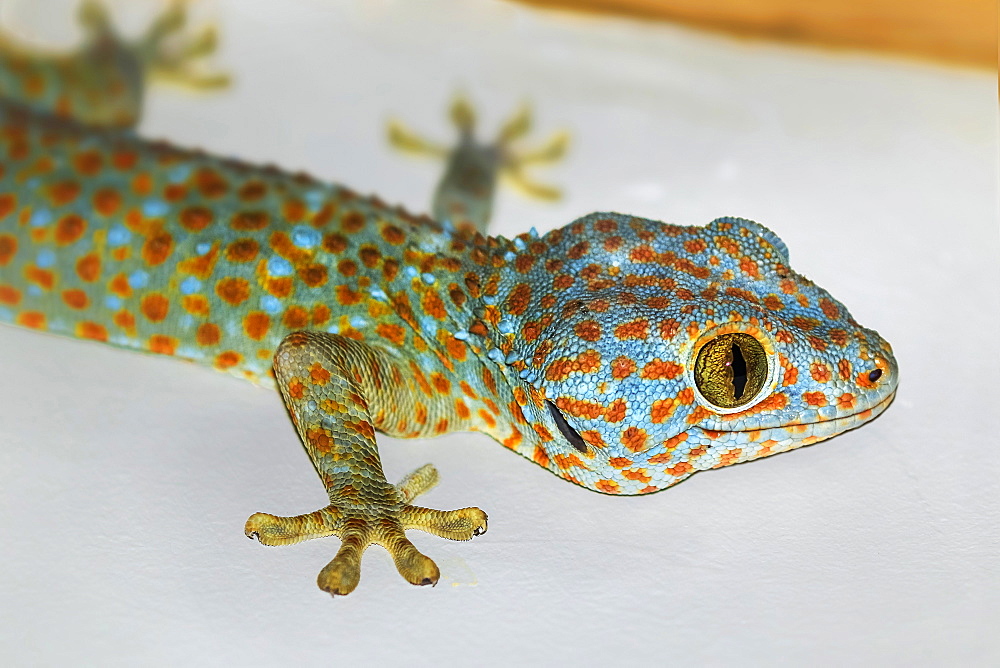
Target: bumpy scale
(620,353)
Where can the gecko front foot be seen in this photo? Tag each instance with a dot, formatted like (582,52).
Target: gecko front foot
(359,526)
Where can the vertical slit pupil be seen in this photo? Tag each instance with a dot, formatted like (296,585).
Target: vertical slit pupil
(739,367)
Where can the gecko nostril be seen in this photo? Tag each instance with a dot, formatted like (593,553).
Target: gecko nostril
(874,375)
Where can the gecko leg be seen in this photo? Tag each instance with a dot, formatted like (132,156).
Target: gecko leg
(177,62)
(335,389)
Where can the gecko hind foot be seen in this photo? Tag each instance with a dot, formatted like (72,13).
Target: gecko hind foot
(359,527)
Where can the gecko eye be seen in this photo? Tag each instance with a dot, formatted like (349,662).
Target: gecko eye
(731,369)
(874,375)
(568,432)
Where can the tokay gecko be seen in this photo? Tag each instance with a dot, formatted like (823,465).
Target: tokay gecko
(622,354)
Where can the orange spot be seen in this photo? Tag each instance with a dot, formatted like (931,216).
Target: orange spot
(607,486)
(32,319)
(164,345)
(318,374)
(845,401)
(313,275)
(659,369)
(196,218)
(347,297)
(588,330)
(43,278)
(820,372)
(142,184)
(295,317)
(91,330)
(8,202)
(634,329)
(88,267)
(125,320)
(232,290)
(75,299)
(362,427)
(228,359)
(440,383)
(679,469)
(88,163)
(456,349)
(616,411)
(393,235)
(814,398)
(69,229)
(155,307)
(210,183)
(589,410)
(208,334)
(334,243)
(392,332)
(124,160)
(63,192)
(157,247)
(242,250)
(320,314)
(9,295)
(256,325)
(634,439)
(661,410)
(195,304)
(8,246)
(542,432)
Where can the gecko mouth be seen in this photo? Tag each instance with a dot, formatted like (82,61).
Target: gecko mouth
(855,419)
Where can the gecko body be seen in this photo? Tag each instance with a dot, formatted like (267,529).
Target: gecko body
(620,353)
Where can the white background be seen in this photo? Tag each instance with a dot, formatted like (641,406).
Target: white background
(125,480)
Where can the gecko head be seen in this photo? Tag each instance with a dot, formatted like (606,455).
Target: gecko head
(674,349)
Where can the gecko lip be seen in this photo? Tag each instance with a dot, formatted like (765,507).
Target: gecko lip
(875,409)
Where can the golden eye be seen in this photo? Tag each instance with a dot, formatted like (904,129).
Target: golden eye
(731,369)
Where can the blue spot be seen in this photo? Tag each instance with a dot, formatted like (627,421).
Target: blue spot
(333,329)
(203,248)
(428,278)
(495,355)
(314,198)
(155,208)
(46,258)
(41,217)
(505,327)
(179,173)
(34,291)
(270,304)
(119,236)
(190,285)
(509,256)
(410,271)
(305,237)
(279,266)
(461,335)
(187,320)
(357,322)
(113,302)
(379,294)
(6,314)
(519,244)
(138,279)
